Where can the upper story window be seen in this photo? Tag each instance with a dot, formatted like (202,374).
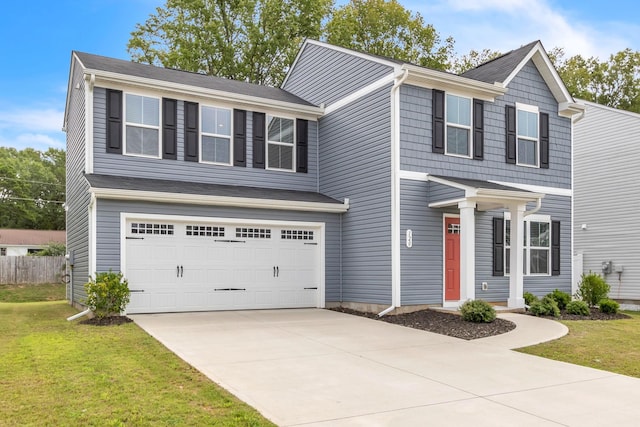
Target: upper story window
(280,143)
(215,136)
(142,125)
(527,133)
(458,136)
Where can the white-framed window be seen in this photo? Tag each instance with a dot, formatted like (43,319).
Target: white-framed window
(142,125)
(528,140)
(280,143)
(537,245)
(215,135)
(458,118)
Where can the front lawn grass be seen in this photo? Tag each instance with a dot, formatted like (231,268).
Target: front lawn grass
(54,372)
(611,345)
(30,293)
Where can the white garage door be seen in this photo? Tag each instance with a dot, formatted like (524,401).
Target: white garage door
(176,266)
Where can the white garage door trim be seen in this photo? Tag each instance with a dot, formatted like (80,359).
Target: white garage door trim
(318,226)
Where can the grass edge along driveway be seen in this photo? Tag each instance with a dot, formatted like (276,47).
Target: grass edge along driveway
(55,372)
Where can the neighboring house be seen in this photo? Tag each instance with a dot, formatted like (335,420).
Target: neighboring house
(601,188)
(364,181)
(19,242)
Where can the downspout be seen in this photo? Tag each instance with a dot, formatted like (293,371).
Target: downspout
(78,315)
(534,210)
(395,195)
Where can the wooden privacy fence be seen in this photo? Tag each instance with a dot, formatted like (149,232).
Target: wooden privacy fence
(18,270)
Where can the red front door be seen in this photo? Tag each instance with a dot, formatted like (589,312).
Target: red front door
(451,259)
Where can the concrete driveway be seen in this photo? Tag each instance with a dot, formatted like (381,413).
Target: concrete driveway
(322,368)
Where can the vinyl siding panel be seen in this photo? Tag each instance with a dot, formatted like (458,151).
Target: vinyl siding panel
(180,170)
(108,232)
(77,195)
(527,87)
(356,164)
(325,75)
(606,151)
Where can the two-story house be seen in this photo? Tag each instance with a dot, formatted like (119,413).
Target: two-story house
(364,181)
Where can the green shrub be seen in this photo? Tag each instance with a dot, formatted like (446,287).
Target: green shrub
(547,306)
(529,298)
(579,308)
(609,306)
(108,294)
(561,298)
(592,288)
(478,311)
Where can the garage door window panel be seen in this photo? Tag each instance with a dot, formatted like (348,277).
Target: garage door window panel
(296,234)
(204,231)
(150,228)
(215,134)
(253,233)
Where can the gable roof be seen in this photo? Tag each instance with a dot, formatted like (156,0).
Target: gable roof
(499,69)
(102,63)
(21,237)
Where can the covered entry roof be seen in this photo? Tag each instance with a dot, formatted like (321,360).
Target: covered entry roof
(487,195)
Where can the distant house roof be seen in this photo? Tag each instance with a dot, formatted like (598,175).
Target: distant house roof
(129,68)
(500,68)
(19,237)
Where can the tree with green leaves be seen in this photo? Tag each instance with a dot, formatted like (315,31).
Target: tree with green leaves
(615,82)
(32,188)
(472,59)
(386,28)
(250,40)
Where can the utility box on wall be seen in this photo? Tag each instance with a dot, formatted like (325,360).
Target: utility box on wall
(606,267)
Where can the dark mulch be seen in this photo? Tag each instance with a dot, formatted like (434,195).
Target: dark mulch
(107,321)
(596,314)
(440,323)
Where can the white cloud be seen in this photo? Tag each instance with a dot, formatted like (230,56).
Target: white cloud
(32,119)
(38,141)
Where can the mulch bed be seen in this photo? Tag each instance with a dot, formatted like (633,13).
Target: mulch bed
(596,314)
(107,321)
(440,323)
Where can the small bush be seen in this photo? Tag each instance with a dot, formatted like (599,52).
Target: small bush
(529,298)
(592,288)
(108,294)
(561,298)
(478,311)
(609,306)
(545,307)
(579,308)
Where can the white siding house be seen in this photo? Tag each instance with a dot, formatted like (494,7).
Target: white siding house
(607,197)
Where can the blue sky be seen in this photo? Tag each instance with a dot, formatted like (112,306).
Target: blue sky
(38,37)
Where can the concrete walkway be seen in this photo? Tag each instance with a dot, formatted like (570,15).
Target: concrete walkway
(322,368)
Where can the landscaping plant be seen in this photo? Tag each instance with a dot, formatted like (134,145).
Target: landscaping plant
(592,288)
(478,311)
(561,298)
(108,294)
(529,298)
(547,306)
(608,306)
(579,308)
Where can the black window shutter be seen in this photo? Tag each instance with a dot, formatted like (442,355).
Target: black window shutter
(114,121)
(511,134)
(544,140)
(259,128)
(302,145)
(239,138)
(191,133)
(169,129)
(498,246)
(555,248)
(478,129)
(437,141)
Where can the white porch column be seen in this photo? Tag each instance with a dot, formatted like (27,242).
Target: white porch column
(467,250)
(516,262)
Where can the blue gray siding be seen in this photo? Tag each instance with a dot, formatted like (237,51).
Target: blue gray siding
(606,153)
(108,231)
(180,170)
(527,87)
(325,75)
(355,158)
(77,195)
(422,280)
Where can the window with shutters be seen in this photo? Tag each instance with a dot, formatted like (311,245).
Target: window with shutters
(280,143)
(142,125)
(537,246)
(458,134)
(527,128)
(215,135)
